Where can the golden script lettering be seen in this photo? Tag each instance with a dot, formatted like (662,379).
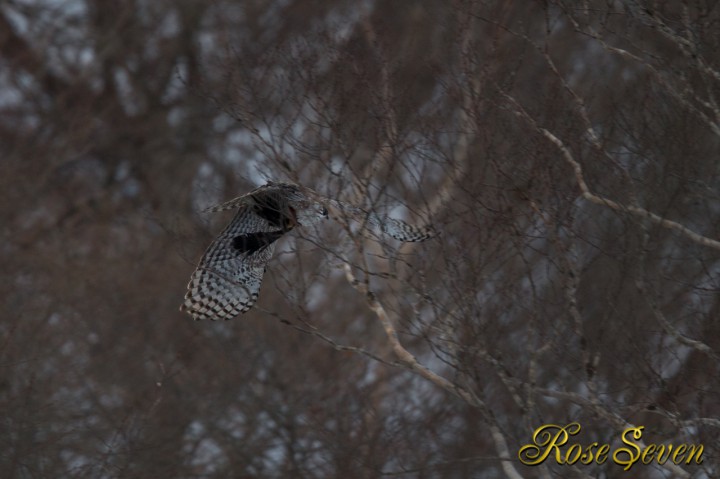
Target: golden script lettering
(549,439)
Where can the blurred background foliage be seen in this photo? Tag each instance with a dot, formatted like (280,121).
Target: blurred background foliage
(121,121)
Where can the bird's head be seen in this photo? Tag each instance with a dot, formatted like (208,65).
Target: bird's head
(310,213)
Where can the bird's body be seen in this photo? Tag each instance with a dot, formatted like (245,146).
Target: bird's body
(228,278)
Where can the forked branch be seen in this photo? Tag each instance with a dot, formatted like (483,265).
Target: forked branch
(407,360)
(587,194)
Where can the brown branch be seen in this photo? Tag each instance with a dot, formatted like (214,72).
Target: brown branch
(587,194)
(618,422)
(680,95)
(409,361)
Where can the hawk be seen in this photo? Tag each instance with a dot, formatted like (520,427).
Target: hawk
(227,280)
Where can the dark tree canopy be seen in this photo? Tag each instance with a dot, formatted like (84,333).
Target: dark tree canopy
(567,151)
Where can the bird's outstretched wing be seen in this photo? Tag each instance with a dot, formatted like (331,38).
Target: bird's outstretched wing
(392,227)
(240,201)
(227,280)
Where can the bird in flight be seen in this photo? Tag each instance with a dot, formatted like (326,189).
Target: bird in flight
(227,280)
